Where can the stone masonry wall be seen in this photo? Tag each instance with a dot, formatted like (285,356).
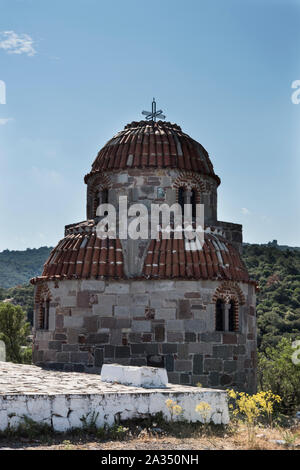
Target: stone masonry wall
(143,322)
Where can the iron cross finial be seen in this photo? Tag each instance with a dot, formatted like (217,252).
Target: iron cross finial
(152,115)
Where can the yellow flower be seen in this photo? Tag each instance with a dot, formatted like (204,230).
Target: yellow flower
(169,403)
(177,409)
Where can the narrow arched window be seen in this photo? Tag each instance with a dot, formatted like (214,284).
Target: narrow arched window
(101,197)
(193,203)
(41,315)
(47,310)
(232,323)
(220,324)
(44,311)
(181,198)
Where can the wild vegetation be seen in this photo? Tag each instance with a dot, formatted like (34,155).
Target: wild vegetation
(278,299)
(17,267)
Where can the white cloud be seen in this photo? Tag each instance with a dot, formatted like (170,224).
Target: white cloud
(245,211)
(4,121)
(14,43)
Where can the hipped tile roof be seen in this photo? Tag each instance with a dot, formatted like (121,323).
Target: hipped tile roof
(172,258)
(147,144)
(82,255)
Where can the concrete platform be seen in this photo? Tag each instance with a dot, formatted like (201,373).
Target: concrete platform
(61,399)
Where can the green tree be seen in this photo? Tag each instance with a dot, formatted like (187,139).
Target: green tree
(277,372)
(13,331)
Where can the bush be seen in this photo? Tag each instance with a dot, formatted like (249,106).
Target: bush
(277,372)
(13,331)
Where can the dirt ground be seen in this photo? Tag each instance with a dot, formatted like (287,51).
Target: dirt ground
(230,439)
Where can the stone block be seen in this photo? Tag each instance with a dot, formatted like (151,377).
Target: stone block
(109,351)
(230,366)
(159,333)
(211,337)
(200,348)
(184,309)
(108,322)
(212,364)
(97,338)
(181,365)
(229,338)
(122,323)
(121,311)
(105,305)
(183,352)
(124,300)
(99,357)
(169,348)
(81,357)
(141,326)
(138,348)
(117,288)
(73,321)
(173,337)
(169,362)
(198,364)
(56,345)
(147,377)
(138,287)
(222,351)
(194,325)
(166,313)
(140,299)
(190,337)
(122,351)
(83,299)
(91,323)
(62,357)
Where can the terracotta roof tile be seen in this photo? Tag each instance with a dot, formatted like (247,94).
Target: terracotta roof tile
(153,144)
(84,256)
(217,259)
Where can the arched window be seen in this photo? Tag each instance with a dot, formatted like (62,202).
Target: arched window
(187,196)
(44,310)
(181,198)
(193,203)
(231,316)
(101,197)
(220,307)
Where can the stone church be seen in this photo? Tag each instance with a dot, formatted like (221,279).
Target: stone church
(158,302)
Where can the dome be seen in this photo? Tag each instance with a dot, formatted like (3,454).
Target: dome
(149,144)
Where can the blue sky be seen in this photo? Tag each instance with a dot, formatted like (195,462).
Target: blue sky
(77,71)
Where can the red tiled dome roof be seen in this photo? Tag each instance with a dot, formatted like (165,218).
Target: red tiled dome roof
(82,255)
(148,144)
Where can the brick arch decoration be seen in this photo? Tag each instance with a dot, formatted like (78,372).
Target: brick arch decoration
(190,180)
(228,291)
(101,182)
(42,295)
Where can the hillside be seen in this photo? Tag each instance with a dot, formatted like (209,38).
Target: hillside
(278,300)
(17,267)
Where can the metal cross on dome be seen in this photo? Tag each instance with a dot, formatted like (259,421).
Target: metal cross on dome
(152,115)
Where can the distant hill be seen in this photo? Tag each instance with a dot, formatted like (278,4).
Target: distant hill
(17,267)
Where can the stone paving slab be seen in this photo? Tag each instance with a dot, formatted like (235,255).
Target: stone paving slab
(30,379)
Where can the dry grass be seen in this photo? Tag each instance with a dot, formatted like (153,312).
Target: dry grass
(184,438)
